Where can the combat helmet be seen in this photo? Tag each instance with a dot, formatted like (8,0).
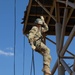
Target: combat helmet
(39,21)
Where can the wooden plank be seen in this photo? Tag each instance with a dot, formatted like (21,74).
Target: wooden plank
(28,10)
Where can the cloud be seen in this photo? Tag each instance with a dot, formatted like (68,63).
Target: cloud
(6,53)
(9,48)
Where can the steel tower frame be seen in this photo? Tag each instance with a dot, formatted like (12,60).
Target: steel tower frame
(60,30)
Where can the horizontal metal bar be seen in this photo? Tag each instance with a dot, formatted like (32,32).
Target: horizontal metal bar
(61,1)
(68,3)
(34,5)
(67,57)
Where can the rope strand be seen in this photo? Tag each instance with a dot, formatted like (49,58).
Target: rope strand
(23,55)
(14,32)
(32,64)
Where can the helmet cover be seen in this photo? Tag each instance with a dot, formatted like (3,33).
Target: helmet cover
(38,21)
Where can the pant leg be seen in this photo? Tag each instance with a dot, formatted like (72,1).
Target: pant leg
(46,58)
(45,51)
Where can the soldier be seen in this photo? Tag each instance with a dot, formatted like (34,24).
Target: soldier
(35,40)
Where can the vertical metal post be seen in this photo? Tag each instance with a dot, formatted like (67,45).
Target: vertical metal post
(61,70)
(74,65)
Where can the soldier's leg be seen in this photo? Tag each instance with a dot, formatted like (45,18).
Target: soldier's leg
(45,51)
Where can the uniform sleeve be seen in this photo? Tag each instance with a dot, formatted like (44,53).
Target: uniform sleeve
(31,36)
(45,28)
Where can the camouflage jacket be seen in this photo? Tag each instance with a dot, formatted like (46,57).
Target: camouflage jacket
(35,33)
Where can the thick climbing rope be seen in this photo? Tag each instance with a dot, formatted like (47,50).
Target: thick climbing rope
(14,32)
(24,55)
(32,64)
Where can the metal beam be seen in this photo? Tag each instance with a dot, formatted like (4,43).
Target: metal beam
(70,53)
(74,64)
(68,42)
(66,66)
(67,57)
(71,66)
(50,40)
(70,13)
(29,6)
(61,1)
(55,67)
(58,34)
(71,4)
(38,15)
(61,70)
(36,5)
(69,16)
(58,27)
(57,12)
(51,11)
(73,73)
(63,28)
(46,10)
(68,3)
(52,25)
(45,15)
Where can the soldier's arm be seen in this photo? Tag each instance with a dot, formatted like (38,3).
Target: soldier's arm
(31,36)
(31,41)
(45,27)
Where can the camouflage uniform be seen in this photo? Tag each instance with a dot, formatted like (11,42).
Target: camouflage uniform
(35,35)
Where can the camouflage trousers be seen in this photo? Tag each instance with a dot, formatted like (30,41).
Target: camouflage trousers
(45,51)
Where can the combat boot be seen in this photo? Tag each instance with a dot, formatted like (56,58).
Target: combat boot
(46,69)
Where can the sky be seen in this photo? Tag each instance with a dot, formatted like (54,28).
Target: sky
(7,42)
